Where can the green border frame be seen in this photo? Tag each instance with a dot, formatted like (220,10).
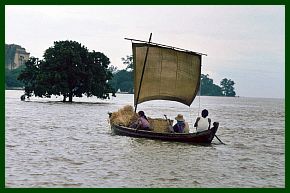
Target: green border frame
(128,2)
(144,2)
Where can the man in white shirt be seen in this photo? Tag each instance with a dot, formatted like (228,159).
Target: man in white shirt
(202,123)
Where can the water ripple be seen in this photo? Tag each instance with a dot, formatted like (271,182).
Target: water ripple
(55,144)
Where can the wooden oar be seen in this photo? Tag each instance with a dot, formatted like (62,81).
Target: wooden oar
(219,140)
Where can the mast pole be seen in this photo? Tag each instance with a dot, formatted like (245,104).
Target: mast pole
(148,45)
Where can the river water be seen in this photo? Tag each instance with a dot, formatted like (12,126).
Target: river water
(54,144)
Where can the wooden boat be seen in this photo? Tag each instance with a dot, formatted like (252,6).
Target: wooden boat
(199,138)
(165,73)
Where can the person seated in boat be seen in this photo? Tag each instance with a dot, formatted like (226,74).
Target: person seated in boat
(142,122)
(202,123)
(181,126)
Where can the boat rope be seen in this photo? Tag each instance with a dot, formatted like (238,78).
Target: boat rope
(199,98)
(198,110)
(191,118)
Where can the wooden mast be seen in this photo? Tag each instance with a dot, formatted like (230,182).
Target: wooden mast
(148,45)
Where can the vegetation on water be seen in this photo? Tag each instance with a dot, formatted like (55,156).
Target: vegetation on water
(68,69)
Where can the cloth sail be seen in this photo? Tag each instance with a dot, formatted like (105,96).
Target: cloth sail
(169,74)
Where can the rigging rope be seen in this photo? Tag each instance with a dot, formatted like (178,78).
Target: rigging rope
(198,111)
(199,97)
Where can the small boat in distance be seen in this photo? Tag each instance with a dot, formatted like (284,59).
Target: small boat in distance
(121,92)
(163,73)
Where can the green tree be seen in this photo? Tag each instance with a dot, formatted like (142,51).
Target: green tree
(228,87)
(123,79)
(208,88)
(97,76)
(29,76)
(129,62)
(11,77)
(70,70)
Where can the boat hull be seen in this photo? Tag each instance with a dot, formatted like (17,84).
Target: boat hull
(204,137)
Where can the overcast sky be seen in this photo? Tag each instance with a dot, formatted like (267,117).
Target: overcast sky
(243,43)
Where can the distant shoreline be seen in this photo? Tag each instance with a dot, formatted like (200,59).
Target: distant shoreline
(20,88)
(14,88)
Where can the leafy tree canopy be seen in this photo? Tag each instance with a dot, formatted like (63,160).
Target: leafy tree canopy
(11,77)
(208,88)
(123,79)
(70,70)
(227,86)
(129,62)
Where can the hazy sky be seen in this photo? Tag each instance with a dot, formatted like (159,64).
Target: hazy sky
(242,43)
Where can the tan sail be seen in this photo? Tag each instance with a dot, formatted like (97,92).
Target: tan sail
(169,74)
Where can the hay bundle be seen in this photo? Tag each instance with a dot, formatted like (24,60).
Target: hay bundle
(124,116)
(159,125)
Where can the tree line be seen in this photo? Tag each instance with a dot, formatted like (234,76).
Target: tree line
(70,70)
(11,76)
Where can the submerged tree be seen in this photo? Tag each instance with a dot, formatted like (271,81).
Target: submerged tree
(30,76)
(68,69)
(98,75)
